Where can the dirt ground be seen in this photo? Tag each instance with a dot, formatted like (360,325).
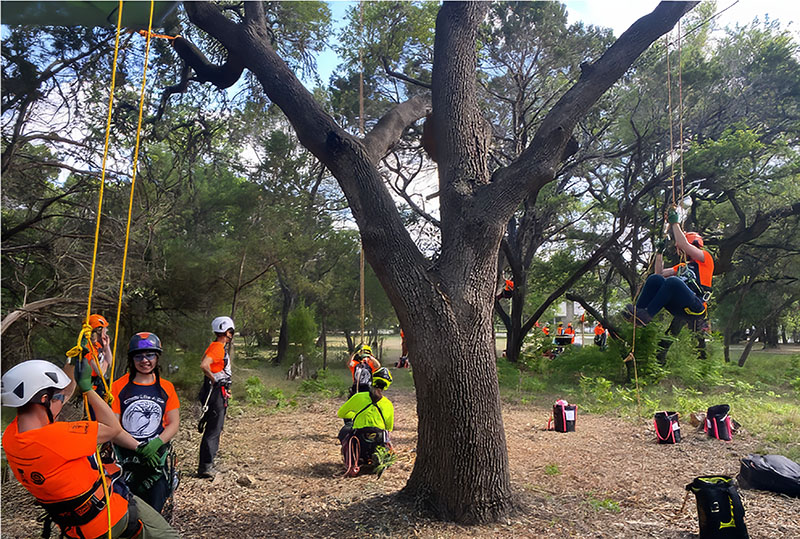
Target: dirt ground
(281,476)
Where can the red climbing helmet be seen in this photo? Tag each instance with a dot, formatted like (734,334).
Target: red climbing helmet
(144,342)
(694,238)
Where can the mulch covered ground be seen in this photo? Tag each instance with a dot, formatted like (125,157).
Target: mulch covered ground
(282,477)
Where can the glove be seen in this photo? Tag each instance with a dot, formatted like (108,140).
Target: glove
(673,216)
(661,245)
(149,451)
(83,375)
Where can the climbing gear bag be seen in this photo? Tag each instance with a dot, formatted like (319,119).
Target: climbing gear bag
(564,416)
(718,422)
(719,507)
(774,473)
(668,427)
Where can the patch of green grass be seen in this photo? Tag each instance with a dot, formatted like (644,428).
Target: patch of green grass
(552,469)
(764,395)
(604,504)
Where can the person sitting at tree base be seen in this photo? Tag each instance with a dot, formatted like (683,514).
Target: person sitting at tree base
(683,290)
(371,417)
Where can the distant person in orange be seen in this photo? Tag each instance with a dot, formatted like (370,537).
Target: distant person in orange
(99,355)
(546,330)
(362,364)
(402,363)
(599,335)
(560,328)
(56,460)
(508,290)
(570,331)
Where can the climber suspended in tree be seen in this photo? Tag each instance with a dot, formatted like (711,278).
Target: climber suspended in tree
(683,289)
(507,291)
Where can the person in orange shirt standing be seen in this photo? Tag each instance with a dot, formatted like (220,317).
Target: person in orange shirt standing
(214,395)
(570,331)
(402,363)
(148,408)
(599,335)
(362,364)
(56,460)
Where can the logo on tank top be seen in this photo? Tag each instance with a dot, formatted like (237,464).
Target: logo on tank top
(142,418)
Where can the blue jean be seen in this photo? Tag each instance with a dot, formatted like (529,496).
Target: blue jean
(669,293)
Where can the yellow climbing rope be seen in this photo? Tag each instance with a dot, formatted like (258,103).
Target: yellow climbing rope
(133,185)
(84,338)
(361,131)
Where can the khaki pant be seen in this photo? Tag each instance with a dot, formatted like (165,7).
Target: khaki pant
(153,524)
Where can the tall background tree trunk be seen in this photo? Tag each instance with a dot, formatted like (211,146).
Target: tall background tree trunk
(286,307)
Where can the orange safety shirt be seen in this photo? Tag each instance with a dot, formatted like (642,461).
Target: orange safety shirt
(216,351)
(370,361)
(703,271)
(599,330)
(56,463)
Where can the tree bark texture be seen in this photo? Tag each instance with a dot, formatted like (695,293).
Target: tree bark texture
(461,470)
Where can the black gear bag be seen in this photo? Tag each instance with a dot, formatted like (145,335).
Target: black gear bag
(564,416)
(718,422)
(668,428)
(775,473)
(719,507)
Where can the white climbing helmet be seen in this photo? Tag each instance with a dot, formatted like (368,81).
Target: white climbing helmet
(222,324)
(25,380)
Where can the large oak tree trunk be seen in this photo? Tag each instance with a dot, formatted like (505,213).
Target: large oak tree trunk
(461,470)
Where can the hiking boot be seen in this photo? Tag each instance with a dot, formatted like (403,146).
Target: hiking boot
(642,316)
(206,472)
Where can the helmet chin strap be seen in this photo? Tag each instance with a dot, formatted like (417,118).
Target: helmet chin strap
(46,404)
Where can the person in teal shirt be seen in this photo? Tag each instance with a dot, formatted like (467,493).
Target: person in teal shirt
(372,418)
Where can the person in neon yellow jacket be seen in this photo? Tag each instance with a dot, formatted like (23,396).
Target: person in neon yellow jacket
(370,409)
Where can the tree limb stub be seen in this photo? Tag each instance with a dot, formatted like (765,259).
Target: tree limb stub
(390,127)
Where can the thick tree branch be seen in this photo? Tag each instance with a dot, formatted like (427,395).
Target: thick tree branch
(537,164)
(598,254)
(391,126)
(760,224)
(388,246)
(31,307)
(612,329)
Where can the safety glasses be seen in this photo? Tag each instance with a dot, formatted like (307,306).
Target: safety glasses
(149,356)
